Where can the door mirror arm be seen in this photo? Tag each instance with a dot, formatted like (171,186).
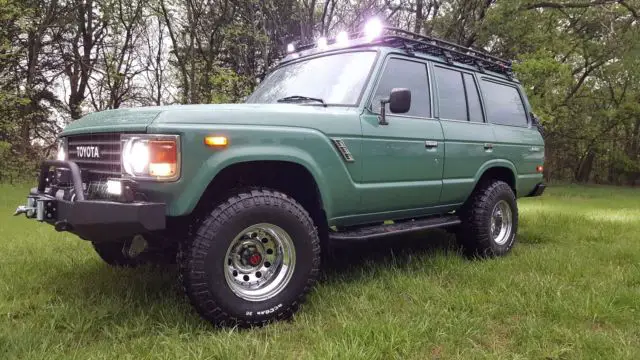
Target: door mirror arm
(399,103)
(382,118)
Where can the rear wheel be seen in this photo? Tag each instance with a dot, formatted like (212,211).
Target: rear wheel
(252,260)
(489,220)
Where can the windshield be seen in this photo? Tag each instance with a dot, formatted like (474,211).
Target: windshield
(335,79)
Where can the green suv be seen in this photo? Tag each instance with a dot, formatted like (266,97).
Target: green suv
(346,139)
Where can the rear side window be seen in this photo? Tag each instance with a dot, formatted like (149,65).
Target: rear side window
(504,105)
(407,74)
(451,98)
(458,96)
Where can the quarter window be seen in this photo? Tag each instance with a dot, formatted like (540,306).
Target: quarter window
(407,74)
(504,104)
(473,99)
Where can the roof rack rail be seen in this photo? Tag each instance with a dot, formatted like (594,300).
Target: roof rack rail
(416,43)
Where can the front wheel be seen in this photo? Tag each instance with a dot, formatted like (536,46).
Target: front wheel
(489,220)
(252,260)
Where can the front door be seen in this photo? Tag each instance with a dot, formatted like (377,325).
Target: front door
(402,161)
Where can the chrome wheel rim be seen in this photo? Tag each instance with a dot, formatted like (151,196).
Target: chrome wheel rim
(501,222)
(259,262)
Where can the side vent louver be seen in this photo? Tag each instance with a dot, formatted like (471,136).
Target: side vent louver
(344,150)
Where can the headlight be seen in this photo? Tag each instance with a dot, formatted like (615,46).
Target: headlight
(62,150)
(152,157)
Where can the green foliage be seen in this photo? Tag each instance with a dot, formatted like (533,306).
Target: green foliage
(578,61)
(229,87)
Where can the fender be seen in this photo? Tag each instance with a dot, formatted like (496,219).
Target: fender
(303,146)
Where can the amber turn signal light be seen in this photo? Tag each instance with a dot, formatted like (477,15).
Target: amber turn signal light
(216,141)
(163,158)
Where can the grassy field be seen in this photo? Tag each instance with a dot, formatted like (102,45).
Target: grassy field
(569,290)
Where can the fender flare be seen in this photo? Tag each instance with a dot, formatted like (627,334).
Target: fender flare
(497,163)
(218,162)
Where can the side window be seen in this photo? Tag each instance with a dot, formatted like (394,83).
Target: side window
(504,105)
(407,74)
(473,99)
(451,96)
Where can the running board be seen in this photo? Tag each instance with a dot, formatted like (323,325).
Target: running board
(398,228)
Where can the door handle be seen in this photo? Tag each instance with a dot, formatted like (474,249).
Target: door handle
(488,146)
(430,144)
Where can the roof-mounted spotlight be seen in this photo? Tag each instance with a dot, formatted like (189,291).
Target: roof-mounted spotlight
(322,43)
(373,29)
(342,39)
(291,48)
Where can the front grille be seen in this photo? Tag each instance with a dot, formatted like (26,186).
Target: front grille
(81,149)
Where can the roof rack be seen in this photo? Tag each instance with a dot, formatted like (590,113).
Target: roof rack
(416,43)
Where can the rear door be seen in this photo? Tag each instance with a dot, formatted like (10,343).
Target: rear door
(401,161)
(468,137)
(516,139)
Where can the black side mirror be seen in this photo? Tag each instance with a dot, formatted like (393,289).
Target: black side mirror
(399,103)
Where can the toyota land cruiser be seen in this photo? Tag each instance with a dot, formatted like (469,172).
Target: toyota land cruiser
(356,138)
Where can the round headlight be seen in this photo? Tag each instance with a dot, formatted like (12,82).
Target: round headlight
(135,157)
(151,157)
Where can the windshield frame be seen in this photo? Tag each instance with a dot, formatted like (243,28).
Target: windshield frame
(365,84)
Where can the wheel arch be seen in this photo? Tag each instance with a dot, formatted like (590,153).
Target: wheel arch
(293,178)
(498,169)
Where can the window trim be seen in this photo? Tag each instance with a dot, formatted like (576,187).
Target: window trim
(522,102)
(388,58)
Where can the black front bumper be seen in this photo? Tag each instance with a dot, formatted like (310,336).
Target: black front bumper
(95,220)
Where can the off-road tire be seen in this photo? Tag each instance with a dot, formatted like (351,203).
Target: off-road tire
(111,253)
(202,263)
(474,234)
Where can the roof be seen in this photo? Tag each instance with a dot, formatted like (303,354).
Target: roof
(412,43)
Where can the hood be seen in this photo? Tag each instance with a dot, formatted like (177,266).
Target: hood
(139,119)
(129,120)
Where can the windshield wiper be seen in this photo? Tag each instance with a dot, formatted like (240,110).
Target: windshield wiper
(296,98)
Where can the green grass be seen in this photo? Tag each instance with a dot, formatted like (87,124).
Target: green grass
(569,290)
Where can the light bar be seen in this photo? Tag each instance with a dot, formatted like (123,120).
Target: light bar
(342,39)
(322,43)
(291,48)
(114,187)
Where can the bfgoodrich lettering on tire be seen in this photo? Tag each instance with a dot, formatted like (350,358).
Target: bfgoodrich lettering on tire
(252,260)
(489,220)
